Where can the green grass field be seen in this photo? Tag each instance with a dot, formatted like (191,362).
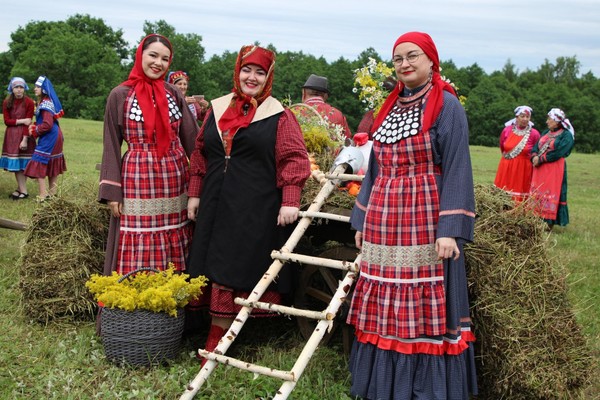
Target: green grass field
(66,360)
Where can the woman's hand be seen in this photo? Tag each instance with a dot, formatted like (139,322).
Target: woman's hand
(24,121)
(447,248)
(116,208)
(192,207)
(535,161)
(203,104)
(31,129)
(358,240)
(23,144)
(287,215)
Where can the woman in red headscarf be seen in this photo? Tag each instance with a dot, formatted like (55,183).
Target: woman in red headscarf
(247,173)
(414,213)
(146,188)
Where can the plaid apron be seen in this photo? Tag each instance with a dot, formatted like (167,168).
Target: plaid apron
(400,290)
(154,226)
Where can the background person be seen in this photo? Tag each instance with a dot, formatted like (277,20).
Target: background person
(48,159)
(516,141)
(315,93)
(549,180)
(414,213)
(247,173)
(17,147)
(198,107)
(146,187)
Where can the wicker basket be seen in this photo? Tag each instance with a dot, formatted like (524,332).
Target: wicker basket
(141,337)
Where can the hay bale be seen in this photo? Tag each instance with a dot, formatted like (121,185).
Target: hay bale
(529,344)
(64,245)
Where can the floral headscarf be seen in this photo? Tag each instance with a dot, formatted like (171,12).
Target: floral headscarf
(148,92)
(559,116)
(242,108)
(436,98)
(16,81)
(520,110)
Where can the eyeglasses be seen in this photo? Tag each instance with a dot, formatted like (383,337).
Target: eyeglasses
(411,58)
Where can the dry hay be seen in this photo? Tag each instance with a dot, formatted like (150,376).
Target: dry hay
(64,245)
(339,198)
(529,345)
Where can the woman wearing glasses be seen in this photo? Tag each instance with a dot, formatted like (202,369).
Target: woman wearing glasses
(415,211)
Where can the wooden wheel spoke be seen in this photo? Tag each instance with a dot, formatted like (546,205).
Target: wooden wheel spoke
(319,294)
(330,279)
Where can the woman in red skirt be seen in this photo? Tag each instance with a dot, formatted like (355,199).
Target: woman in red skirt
(17,147)
(146,188)
(549,180)
(48,159)
(516,141)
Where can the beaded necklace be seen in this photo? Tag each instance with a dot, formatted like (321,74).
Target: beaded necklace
(509,155)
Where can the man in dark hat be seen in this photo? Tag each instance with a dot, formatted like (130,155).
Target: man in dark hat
(315,93)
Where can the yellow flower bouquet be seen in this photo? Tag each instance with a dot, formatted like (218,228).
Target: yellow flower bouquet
(163,291)
(142,313)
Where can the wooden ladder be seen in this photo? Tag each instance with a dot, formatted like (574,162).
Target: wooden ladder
(329,183)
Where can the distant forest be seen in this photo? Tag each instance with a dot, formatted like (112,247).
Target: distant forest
(85,59)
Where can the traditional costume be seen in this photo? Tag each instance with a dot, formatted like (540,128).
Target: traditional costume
(198,112)
(151,178)
(549,180)
(15,159)
(410,309)
(515,169)
(329,113)
(250,160)
(48,159)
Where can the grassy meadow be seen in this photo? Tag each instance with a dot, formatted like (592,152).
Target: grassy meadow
(65,360)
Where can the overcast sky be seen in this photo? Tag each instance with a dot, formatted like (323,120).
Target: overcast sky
(486,32)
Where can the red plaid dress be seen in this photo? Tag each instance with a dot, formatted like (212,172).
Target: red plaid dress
(400,290)
(154,228)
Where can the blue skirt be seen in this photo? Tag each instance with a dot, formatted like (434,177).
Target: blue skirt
(398,376)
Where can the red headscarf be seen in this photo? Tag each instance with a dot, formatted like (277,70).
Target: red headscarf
(148,92)
(242,108)
(436,98)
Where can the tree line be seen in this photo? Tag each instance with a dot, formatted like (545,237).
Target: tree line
(85,59)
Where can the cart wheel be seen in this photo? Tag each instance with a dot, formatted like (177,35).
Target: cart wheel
(315,290)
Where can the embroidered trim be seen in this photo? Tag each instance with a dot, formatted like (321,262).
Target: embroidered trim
(158,229)
(151,207)
(551,135)
(404,256)
(108,182)
(459,211)
(401,280)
